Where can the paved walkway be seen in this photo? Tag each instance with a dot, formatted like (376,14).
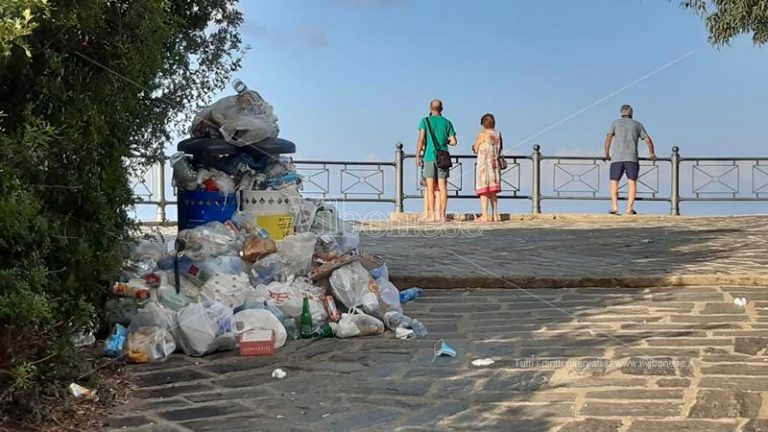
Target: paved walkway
(576,251)
(568,360)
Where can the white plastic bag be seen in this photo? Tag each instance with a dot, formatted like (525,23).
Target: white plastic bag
(354,287)
(213,238)
(296,252)
(155,315)
(259,319)
(327,221)
(227,289)
(389,295)
(242,119)
(357,325)
(148,345)
(205,329)
(289,298)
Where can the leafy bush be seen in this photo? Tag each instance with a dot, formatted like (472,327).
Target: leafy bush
(84,85)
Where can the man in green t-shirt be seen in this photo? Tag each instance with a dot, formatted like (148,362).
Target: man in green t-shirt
(445,136)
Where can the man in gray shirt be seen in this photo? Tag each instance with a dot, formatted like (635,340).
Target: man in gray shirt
(624,133)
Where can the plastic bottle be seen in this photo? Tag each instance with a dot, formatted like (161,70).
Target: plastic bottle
(306,320)
(290,328)
(410,294)
(394,319)
(419,329)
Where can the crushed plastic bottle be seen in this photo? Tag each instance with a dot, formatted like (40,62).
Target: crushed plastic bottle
(395,319)
(410,294)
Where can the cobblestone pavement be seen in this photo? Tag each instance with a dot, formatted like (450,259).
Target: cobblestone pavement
(568,360)
(576,251)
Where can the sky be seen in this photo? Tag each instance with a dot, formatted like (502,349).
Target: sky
(350,78)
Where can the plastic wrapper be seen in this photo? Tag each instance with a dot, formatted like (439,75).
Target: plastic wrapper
(168,298)
(229,290)
(113,346)
(327,221)
(256,302)
(213,238)
(255,248)
(259,319)
(149,345)
(205,329)
(296,252)
(357,325)
(354,287)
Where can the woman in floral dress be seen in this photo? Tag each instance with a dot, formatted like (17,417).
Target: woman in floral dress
(487,146)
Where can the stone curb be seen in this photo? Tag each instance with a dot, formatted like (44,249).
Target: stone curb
(533,282)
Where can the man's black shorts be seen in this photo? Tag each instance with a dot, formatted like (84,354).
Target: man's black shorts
(619,168)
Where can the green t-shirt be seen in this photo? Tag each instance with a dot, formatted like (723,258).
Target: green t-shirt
(443,128)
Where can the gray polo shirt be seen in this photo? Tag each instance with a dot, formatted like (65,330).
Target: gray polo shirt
(626,132)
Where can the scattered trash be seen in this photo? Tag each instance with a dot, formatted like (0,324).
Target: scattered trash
(443,349)
(648,241)
(83,338)
(483,362)
(326,415)
(80,392)
(740,301)
(254,263)
(279,374)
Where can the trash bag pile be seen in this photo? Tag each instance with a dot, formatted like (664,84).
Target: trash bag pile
(231,284)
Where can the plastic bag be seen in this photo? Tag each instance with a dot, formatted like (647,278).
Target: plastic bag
(327,221)
(113,347)
(205,329)
(354,287)
(213,238)
(389,295)
(229,290)
(265,270)
(154,315)
(357,325)
(259,319)
(289,298)
(256,248)
(242,119)
(227,264)
(149,345)
(256,302)
(169,298)
(296,252)
(184,176)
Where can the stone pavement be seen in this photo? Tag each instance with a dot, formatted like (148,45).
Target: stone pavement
(568,360)
(575,251)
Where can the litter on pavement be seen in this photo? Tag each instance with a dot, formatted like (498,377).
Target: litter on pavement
(254,264)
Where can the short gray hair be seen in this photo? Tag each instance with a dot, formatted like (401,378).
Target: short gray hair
(436,105)
(626,110)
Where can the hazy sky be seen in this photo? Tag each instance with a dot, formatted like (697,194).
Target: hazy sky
(350,78)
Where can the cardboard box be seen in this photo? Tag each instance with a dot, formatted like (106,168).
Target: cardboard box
(257,343)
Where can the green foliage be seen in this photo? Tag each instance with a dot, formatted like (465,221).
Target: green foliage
(727,19)
(85,85)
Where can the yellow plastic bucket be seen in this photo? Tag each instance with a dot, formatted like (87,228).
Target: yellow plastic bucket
(278,225)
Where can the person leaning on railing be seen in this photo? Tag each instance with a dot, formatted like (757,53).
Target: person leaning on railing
(624,133)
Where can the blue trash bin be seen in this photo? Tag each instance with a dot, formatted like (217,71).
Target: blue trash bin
(200,207)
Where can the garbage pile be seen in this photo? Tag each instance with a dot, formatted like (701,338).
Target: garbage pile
(278,267)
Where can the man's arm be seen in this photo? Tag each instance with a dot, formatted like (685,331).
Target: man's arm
(452,141)
(608,140)
(651,149)
(420,145)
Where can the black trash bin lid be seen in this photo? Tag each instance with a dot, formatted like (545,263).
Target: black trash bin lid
(202,146)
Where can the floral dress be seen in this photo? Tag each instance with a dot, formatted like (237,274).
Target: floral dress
(487,172)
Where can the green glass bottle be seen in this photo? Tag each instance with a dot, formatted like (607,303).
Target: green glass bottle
(306,320)
(326,331)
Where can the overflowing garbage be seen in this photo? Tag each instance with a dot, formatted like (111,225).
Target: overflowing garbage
(261,267)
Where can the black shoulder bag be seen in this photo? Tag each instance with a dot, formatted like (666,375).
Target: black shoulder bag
(502,162)
(442,157)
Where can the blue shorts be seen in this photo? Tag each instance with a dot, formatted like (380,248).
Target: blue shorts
(619,168)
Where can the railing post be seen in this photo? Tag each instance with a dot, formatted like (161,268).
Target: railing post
(675,195)
(536,188)
(160,186)
(399,158)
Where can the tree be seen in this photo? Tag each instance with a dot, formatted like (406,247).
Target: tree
(84,86)
(727,19)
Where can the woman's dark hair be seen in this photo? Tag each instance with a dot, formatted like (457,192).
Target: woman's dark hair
(488,121)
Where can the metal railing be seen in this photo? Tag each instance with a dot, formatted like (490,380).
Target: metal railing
(572,178)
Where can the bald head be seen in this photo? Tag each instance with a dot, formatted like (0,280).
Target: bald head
(436,106)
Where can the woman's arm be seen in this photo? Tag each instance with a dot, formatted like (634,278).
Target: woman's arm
(478,140)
